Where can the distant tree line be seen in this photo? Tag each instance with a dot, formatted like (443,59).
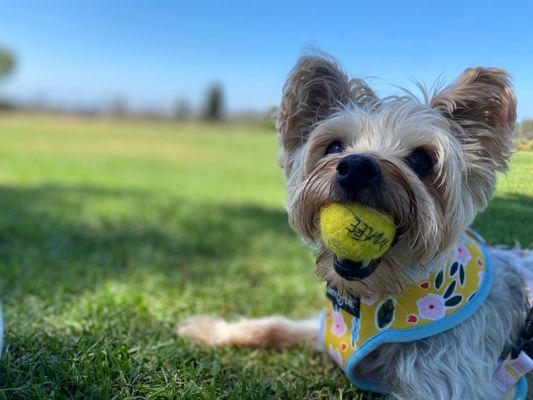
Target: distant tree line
(7,63)
(7,66)
(214,104)
(524,130)
(212,110)
(524,135)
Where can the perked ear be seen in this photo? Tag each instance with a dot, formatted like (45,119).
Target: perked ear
(481,101)
(315,89)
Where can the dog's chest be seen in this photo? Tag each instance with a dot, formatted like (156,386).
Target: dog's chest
(352,328)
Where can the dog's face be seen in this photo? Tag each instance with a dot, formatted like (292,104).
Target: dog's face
(431,165)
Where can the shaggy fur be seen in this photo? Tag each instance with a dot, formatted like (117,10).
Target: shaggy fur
(466,129)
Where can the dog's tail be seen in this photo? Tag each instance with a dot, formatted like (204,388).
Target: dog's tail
(269,332)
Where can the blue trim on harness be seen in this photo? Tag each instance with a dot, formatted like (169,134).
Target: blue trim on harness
(520,389)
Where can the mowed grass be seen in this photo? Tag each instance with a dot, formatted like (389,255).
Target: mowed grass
(111,232)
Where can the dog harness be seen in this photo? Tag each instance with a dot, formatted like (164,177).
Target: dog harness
(353,327)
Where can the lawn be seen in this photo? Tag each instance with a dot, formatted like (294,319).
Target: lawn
(111,232)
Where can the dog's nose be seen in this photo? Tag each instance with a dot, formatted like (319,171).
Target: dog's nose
(357,172)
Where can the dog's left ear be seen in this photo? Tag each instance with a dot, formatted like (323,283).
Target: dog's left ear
(316,85)
(481,101)
(315,89)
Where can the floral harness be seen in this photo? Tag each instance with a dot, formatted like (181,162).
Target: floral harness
(354,327)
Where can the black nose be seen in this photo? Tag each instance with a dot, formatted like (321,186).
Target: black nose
(356,172)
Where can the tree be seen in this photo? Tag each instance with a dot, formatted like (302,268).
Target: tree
(118,107)
(182,110)
(524,130)
(213,110)
(7,63)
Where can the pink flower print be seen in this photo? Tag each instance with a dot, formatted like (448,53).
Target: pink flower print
(431,307)
(338,327)
(462,253)
(335,354)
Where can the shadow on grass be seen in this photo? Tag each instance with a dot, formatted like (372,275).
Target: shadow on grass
(60,242)
(75,236)
(508,220)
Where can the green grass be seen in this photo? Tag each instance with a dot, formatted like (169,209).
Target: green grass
(111,232)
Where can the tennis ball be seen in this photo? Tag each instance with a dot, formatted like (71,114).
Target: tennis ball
(356,232)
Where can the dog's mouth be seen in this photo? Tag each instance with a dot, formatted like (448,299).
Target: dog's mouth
(358,270)
(354,271)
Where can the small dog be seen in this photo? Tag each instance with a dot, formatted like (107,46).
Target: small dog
(432,164)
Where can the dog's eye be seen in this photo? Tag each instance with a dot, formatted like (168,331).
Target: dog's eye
(335,147)
(420,162)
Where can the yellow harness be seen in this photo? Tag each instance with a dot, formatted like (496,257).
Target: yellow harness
(354,327)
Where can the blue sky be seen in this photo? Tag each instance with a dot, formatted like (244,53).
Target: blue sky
(154,52)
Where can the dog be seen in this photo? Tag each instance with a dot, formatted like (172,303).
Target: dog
(432,164)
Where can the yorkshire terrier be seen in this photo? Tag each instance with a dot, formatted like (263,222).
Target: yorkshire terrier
(432,164)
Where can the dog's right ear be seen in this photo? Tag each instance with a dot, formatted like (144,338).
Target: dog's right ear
(482,102)
(315,89)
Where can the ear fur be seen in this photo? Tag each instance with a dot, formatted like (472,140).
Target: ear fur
(315,89)
(481,102)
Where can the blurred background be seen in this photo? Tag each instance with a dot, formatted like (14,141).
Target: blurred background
(204,59)
(138,182)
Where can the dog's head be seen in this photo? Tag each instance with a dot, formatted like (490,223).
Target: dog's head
(431,164)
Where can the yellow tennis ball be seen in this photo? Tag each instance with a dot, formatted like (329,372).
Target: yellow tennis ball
(356,232)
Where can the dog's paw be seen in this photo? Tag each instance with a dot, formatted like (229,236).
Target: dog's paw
(205,329)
